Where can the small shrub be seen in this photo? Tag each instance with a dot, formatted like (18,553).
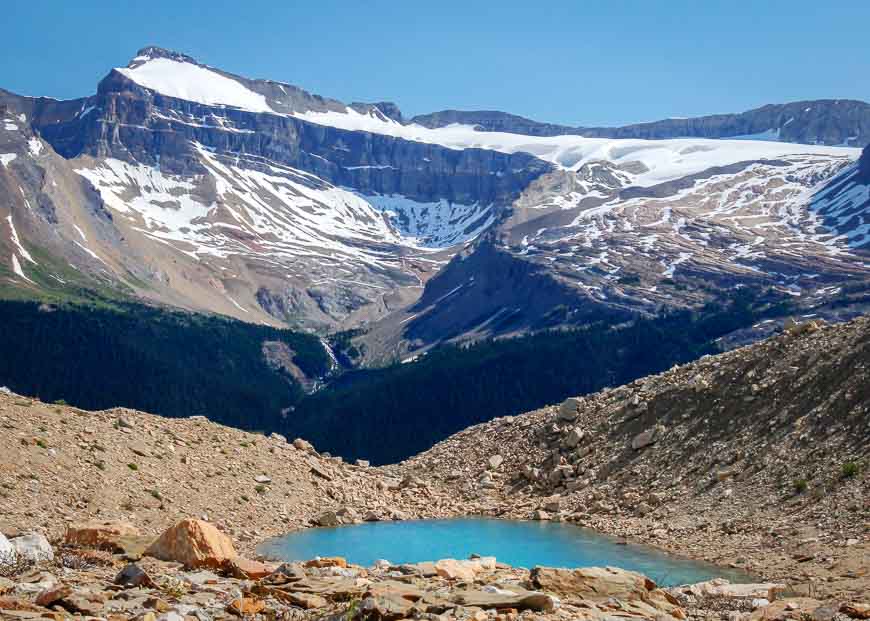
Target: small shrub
(261,489)
(156,494)
(101,465)
(173,587)
(41,443)
(61,402)
(850,469)
(244,498)
(800,485)
(133,467)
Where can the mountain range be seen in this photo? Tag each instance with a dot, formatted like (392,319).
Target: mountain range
(184,185)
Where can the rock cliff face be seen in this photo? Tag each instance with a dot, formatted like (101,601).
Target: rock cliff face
(187,185)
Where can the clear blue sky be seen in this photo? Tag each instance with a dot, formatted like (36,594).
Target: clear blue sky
(586,63)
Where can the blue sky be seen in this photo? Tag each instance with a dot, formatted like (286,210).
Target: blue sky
(581,63)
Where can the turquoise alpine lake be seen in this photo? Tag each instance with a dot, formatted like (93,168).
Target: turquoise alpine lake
(517,543)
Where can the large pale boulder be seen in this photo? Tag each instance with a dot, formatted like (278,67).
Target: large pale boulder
(648,437)
(99,535)
(638,594)
(33,547)
(452,569)
(719,587)
(195,544)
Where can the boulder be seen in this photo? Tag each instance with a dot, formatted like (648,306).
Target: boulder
(99,535)
(194,543)
(246,606)
(637,593)
(33,547)
(247,569)
(719,587)
(856,610)
(553,504)
(569,410)
(790,609)
(362,463)
(328,519)
(348,515)
(452,569)
(133,576)
(495,461)
(303,445)
(327,561)
(385,606)
(540,515)
(645,438)
(53,595)
(573,438)
(502,598)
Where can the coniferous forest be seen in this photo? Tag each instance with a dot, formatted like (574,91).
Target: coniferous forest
(183,364)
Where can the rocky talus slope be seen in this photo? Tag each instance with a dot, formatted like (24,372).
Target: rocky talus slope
(756,458)
(59,464)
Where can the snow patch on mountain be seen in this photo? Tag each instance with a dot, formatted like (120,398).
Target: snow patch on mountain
(16,267)
(184,80)
(248,206)
(17,242)
(433,225)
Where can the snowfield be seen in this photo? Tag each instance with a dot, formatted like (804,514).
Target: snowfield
(194,83)
(663,160)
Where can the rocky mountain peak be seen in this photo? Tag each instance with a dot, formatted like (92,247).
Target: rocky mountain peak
(387,109)
(152,51)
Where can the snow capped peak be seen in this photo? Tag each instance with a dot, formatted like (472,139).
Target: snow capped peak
(179,76)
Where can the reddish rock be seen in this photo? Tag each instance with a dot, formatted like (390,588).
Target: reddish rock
(327,561)
(246,606)
(246,569)
(49,597)
(100,535)
(18,604)
(195,544)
